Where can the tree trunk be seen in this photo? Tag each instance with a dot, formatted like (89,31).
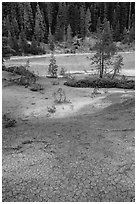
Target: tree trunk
(101,66)
(114,74)
(129,17)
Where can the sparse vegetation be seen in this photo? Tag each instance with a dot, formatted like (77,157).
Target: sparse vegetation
(7,121)
(27,78)
(59,96)
(117,65)
(62,71)
(36,87)
(55,82)
(51,109)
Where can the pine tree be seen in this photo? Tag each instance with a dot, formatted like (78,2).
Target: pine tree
(15,44)
(14,27)
(51,42)
(116,32)
(93,17)
(22,42)
(76,21)
(53,67)
(104,48)
(20,14)
(129,16)
(40,27)
(114,22)
(34,46)
(87,22)
(131,35)
(49,12)
(125,36)
(65,17)
(28,20)
(10,39)
(69,35)
(82,22)
(59,31)
(99,26)
(6,26)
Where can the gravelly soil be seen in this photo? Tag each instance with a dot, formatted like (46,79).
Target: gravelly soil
(85,157)
(71,160)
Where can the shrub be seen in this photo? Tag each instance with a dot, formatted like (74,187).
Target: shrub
(62,71)
(69,77)
(8,121)
(51,109)
(101,83)
(59,96)
(27,78)
(55,82)
(36,87)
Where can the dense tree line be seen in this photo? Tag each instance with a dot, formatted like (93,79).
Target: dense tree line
(39,22)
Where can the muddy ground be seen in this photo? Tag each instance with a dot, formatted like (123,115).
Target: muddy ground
(82,152)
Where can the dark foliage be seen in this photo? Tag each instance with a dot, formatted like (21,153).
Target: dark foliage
(36,87)
(7,121)
(27,78)
(101,83)
(41,19)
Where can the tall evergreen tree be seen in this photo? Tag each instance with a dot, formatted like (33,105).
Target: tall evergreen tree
(131,34)
(59,31)
(28,20)
(49,12)
(22,42)
(125,36)
(99,26)
(93,12)
(65,16)
(69,35)
(87,22)
(104,47)
(82,22)
(20,14)
(6,26)
(40,27)
(116,32)
(14,27)
(10,39)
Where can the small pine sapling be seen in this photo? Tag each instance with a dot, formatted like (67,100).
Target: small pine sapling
(53,67)
(59,96)
(27,66)
(62,71)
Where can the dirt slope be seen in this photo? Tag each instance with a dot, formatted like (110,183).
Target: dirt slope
(87,155)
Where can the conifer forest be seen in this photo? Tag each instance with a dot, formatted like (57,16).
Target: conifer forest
(59,21)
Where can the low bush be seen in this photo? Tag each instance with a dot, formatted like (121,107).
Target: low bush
(55,82)
(62,71)
(27,78)
(101,83)
(59,96)
(21,70)
(36,87)
(7,121)
(51,109)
